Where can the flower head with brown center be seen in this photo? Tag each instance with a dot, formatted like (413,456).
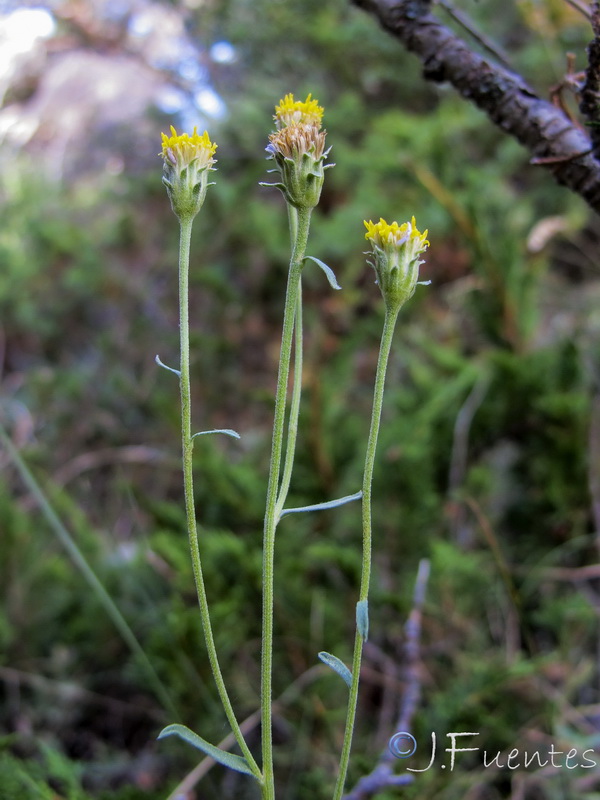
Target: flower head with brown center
(396,249)
(298,148)
(187,160)
(294,141)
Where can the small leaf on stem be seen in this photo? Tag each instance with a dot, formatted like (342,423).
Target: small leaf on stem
(329,273)
(169,369)
(362,618)
(226,431)
(221,756)
(341,501)
(337,666)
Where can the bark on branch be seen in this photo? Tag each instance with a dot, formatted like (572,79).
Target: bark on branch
(590,92)
(551,138)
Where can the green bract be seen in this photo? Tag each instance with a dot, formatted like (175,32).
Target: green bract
(187,161)
(396,249)
(298,149)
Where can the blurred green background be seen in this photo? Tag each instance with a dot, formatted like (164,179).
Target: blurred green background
(489,457)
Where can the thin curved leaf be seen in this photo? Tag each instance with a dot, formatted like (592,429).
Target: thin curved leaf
(227,431)
(329,273)
(322,506)
(337,666)
(169,369)
(221,756)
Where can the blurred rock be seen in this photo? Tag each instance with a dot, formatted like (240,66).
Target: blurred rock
(81,116)
(87,99)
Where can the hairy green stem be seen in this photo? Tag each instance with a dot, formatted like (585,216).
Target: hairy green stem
(271,511)
(292,429)
(187,444)
(391,315)
(293,222)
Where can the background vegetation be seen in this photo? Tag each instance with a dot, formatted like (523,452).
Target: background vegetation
(489,453)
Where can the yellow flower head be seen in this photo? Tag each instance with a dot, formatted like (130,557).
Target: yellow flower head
(298,112)
(394,235)
(396,251)
(187,161)
(298,148)
(182,149)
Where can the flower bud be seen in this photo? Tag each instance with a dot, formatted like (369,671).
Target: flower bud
(187,160)
(298,149)
(396,249)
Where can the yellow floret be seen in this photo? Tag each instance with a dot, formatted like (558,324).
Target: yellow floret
(295,112)
(393,234)
(188,147)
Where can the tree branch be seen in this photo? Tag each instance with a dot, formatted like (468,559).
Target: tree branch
(553,140)
(590,92)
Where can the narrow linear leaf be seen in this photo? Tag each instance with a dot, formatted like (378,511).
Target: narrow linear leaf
(227,431)
(329,273)
(337,666)
(164,366)
(362,618)
(322,506)
(221,756)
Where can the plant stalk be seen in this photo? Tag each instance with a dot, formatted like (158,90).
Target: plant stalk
(292,429)
(391,315)
(271,511)
(187,444)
